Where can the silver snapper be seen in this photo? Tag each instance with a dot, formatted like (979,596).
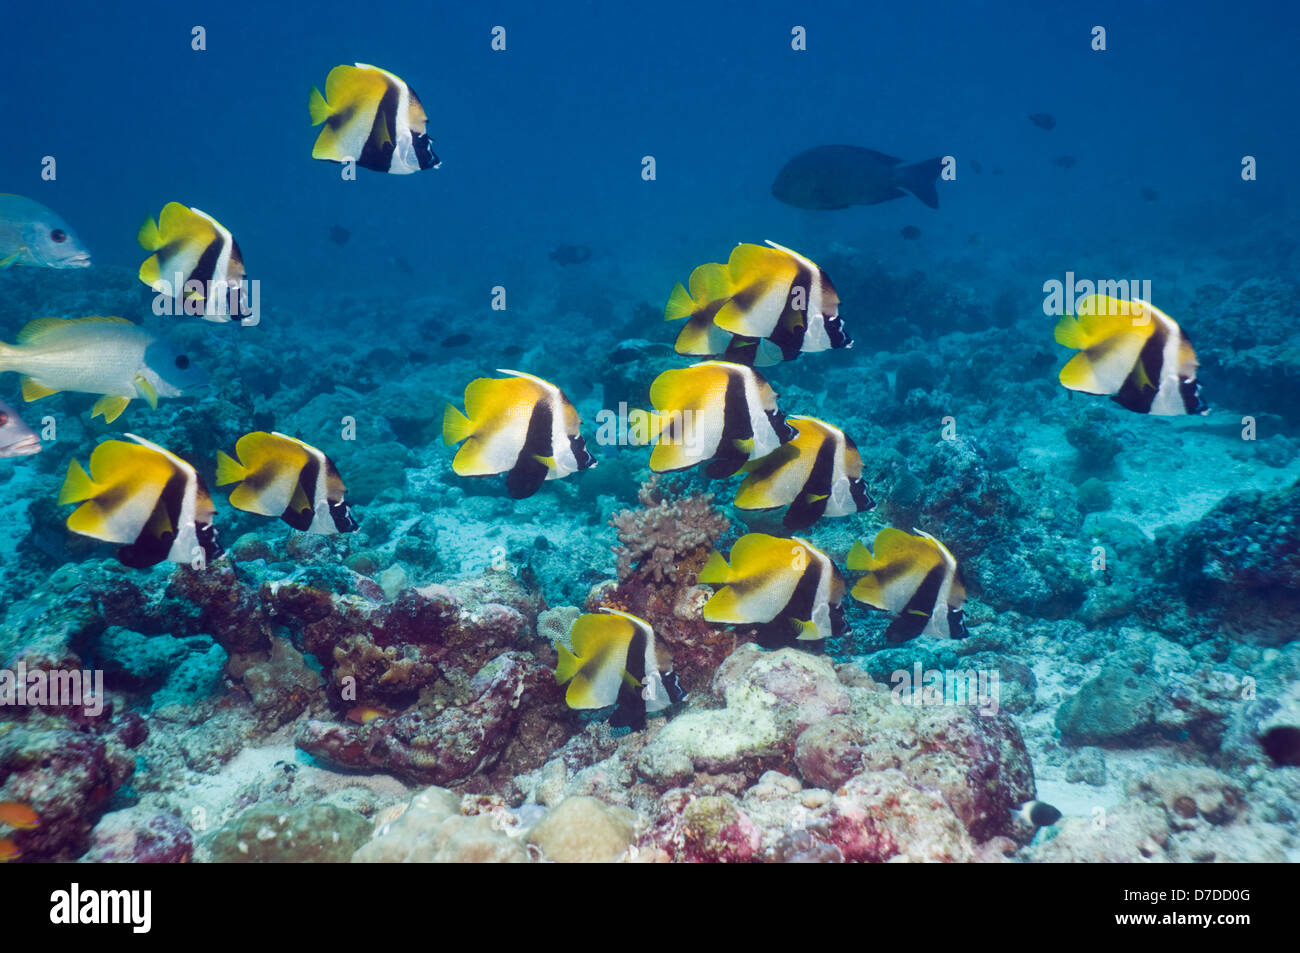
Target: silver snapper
(108,356)
(31,234)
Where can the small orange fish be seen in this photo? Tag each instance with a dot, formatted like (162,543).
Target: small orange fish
(18,815)
(365,714)
(8,850)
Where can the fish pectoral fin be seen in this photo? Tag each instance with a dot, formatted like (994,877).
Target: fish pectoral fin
(548,462)
(630,680)
(146,390)
(110,407)
(6,262)
(35,390)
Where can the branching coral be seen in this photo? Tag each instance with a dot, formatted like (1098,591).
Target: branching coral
(665,537)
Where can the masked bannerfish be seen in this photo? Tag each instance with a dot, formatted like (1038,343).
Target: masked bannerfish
(788,588)
(616,661)
(373,118)
(1133,351)
(520,425)
(818,473)
(99,355)
(196,259)
(31,234)
(146,499)
(717,411)
(914,577)
(16,438)
(766,305)
(282,476)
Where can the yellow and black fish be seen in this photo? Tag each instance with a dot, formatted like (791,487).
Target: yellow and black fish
(914,577)
(766,305)
(195,258)
(1134,352)
(282,476)
(520,425)
(145,498)
(818,473)
(788,588)
(717,411)
(373,118)
(616,661)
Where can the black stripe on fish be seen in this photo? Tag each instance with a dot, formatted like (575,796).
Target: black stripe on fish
(1135,395)
(781,630)
(630,710)
(206,267)
(307,478)
(791,327)
(805,510)
(915,616)
(377,154)
(149,549)
(736,427)
(529,473)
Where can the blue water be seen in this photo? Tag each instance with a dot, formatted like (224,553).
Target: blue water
(542,144)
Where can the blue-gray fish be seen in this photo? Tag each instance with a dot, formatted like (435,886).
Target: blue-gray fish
(834,177)
(31,234)
(108,356)
(16,438)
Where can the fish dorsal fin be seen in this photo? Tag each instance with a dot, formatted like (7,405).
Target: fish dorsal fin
(35,330)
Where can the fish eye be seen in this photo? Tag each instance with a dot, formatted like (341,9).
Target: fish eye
(59,235)
(182,361)
(4,418)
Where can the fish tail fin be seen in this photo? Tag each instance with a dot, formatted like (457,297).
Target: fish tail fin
(77,485)
(7,352)
(919,179)
(715,570)
(680,304)
(316,105)
(567,666)
(229,470)
(455,426)
(149,236)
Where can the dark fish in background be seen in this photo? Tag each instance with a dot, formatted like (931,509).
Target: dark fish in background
(910,232)
(402,265)
(835,177)
(1065,162)
(456,340)
(1149,194)
(16,438)
(339,235)
(570,254)
(976,167)
(1043,120)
